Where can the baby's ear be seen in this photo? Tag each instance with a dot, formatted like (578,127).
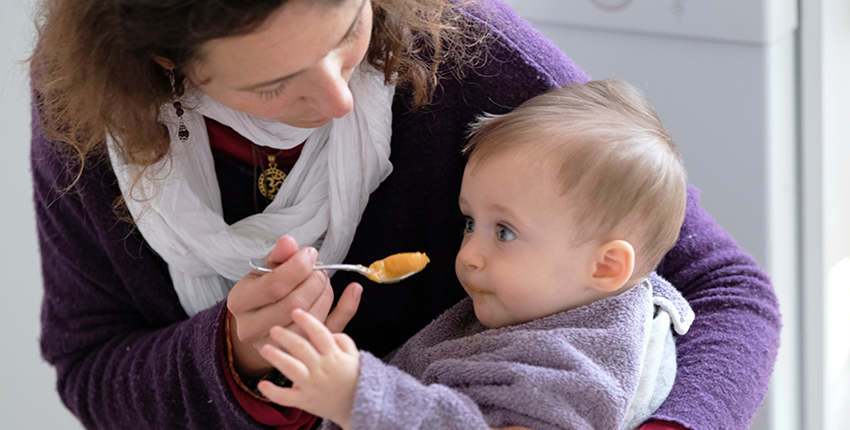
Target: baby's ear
(614,264)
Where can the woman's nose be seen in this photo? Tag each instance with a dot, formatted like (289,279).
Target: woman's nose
(330,93)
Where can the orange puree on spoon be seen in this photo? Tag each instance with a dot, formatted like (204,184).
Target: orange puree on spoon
(397,265)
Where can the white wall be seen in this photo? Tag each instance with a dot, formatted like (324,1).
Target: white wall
(728,95)
(825,126)
(781,106)
(28,398)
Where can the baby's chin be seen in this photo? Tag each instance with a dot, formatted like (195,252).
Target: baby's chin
(488,319)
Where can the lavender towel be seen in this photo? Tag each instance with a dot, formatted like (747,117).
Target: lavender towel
(601,366)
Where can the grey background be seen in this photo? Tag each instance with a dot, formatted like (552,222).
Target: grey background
(28,398)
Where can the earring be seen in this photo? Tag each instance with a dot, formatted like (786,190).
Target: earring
(182,131)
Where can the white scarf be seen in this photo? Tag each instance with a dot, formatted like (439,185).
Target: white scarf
(177,203)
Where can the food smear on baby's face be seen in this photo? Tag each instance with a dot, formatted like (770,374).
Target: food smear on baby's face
(397,265)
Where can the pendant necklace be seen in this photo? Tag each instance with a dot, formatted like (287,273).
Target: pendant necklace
(271,178)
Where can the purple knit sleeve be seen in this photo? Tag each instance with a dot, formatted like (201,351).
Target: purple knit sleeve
(726,359)
(125,353)
(388,398)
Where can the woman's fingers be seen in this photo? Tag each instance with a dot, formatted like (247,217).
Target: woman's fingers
(322,305)
(283,250)
(314,293)
(255,292)
(345,308)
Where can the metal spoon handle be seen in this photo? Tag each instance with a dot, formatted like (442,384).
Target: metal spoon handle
(265,266)
(261,265)
(349,267)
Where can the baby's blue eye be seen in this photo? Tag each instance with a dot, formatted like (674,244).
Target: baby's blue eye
(505,234)
(469,225)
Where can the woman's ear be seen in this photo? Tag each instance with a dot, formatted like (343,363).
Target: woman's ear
(164,62)
(614,265)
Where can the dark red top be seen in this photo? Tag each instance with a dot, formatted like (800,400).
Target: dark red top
(227,143)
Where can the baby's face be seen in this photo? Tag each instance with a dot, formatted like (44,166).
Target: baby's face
(517,262)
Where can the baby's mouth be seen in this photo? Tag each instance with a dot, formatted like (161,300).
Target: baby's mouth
(473,288)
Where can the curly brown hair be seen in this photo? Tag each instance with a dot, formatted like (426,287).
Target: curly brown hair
(94,71)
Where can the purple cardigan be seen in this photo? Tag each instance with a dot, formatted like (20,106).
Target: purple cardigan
(127,356)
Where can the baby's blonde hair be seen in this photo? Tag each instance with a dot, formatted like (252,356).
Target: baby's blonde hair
(614,158)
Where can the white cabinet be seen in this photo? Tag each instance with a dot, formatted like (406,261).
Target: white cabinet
(723,76)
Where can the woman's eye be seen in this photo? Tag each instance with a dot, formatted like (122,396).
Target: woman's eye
(469,225)
(355,32)
(505,234)
(268,95)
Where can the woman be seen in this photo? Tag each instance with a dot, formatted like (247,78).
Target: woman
(364,104)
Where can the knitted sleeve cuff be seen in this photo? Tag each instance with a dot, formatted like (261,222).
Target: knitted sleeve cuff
(257,406)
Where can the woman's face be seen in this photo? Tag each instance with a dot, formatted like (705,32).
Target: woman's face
(294,68)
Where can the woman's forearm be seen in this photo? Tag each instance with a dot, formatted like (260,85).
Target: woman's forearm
(726,359)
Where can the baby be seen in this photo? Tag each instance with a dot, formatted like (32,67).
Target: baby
(570,200)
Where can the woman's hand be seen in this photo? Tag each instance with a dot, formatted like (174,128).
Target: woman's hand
(261,301)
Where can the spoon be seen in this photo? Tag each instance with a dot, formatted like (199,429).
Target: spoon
(395,268)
